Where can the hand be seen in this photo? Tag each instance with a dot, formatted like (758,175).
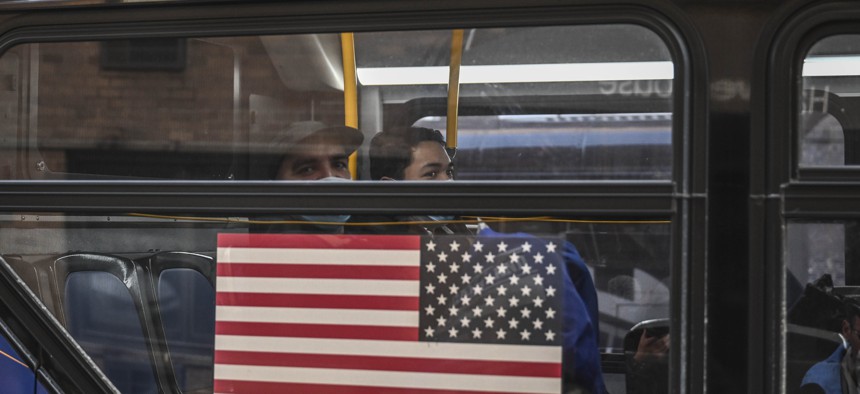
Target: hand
(651,347)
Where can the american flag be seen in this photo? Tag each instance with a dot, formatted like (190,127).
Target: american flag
(387,314)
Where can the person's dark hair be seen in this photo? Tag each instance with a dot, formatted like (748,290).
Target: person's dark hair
(391,150)
(851,309)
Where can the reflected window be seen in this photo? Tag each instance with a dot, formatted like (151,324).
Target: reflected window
(829,131)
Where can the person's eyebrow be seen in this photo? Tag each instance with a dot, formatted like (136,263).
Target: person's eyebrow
(302,162)
(432,165)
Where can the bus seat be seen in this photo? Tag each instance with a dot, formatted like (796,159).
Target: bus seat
(185,291)
(26,271)
(148,322)
(103,309)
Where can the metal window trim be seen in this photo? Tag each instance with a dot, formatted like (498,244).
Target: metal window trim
(779,189)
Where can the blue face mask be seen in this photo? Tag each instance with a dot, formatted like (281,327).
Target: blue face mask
(334,219)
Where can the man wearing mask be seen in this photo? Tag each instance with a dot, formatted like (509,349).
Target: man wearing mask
(314,151)
(311,151)
(838,374)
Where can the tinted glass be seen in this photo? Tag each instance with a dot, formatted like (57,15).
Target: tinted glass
(827,122)
(568,102)
(611,277)
(821,290)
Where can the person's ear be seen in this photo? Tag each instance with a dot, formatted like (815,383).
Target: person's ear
(846,328)
(385,178)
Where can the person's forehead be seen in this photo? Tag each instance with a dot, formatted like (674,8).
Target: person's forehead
(429,149)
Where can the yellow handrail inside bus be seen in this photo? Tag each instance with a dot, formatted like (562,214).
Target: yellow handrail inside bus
(454,87)
(350,92)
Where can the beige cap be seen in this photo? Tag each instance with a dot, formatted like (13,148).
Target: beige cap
(291,139)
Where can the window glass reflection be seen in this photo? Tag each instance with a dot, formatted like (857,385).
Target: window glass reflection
(596,101)
(613,280)
(822,302)
(827,124)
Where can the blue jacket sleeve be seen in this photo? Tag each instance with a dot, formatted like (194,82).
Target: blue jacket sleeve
(582,281)
(580,353)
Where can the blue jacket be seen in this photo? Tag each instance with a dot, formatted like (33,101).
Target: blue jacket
(580,352)
(827,373)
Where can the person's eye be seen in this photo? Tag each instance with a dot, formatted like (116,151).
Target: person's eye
(430,174)
(450,173)
(341,164)
(304,170)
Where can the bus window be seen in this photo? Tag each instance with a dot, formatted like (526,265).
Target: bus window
(821,283)
(564,146)
(561,102)
(138,292)
(827,122)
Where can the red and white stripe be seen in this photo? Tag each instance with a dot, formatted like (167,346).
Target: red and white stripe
(338,313)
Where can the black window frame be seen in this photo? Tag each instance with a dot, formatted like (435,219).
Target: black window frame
(682,199)
(781,191)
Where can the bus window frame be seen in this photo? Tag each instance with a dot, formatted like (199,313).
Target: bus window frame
(681,199)
(781,191)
